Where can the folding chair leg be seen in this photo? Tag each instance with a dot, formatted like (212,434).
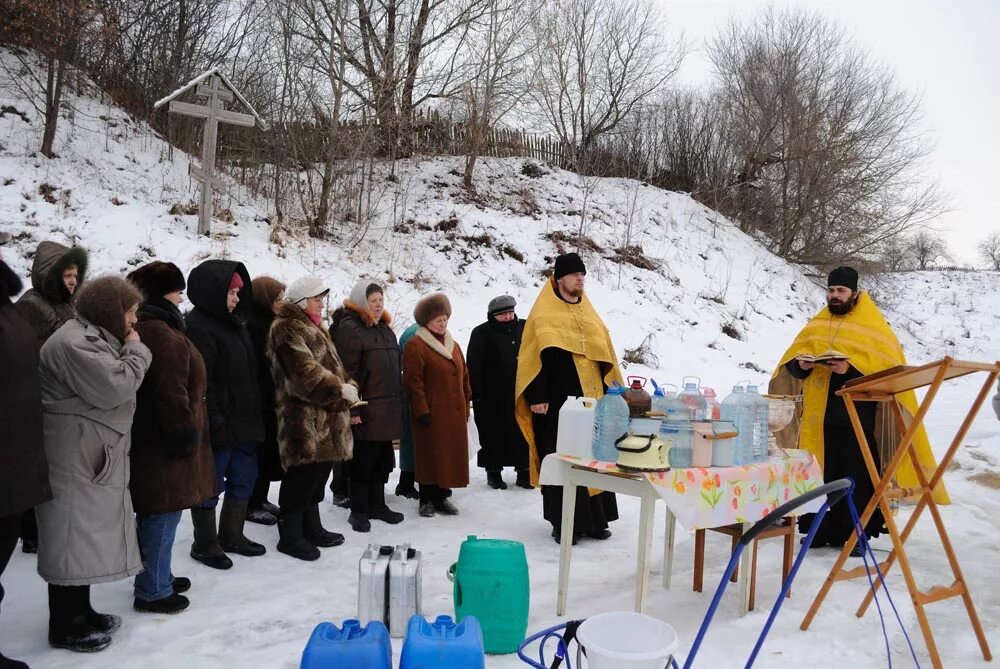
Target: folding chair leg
(753,576)
(786,565)
(699,559)
(736,572)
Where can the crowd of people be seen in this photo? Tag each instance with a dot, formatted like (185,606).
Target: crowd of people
(125,411)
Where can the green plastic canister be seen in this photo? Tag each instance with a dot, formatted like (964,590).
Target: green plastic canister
(491,583)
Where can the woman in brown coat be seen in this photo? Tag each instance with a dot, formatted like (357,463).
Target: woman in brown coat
(437,382)
(172,464)
(314,396)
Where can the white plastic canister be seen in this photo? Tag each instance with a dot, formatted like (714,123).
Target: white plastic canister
(575,431)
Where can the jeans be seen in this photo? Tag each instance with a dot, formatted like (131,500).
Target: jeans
(235,473)
(156,540)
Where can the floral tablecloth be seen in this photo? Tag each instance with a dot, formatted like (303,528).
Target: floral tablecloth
(703,497)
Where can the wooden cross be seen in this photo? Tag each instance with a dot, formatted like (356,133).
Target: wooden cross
(215,89)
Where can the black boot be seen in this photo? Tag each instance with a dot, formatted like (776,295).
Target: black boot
(291,540)
(495,480)
(524,479)
(180,584)
(314,531)
(406,486)
(168,605)
(102,622)
(378,509)
(68,626)
(231,537)
(206,548)
(8,663)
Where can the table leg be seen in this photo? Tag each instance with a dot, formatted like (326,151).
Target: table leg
(744,580)
(566,539)
(646,513)
(668,547)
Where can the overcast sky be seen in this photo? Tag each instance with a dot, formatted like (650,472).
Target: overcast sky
(946,50)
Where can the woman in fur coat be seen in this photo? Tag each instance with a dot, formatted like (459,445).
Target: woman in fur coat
(314,395)
(437,383)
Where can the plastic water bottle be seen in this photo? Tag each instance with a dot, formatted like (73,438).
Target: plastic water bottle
(659,398)
(713,410)
(758,410)
(693,398)
(610,423)
(734,410)
(679,436)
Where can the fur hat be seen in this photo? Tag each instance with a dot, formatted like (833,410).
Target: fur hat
(569,263)
(157,279)
(843,276)
(104,301)
(499,305)
(302,289)
(266,290)
(430,307)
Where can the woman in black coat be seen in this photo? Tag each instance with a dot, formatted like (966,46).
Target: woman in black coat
(221,293)
(493,349)
(24,472)
(370,353)
(268,293)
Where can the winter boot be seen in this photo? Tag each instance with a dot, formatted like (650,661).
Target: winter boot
(378,509)
(427,510)
(8,663)
(524,479)
(105,623)
(180,584)
(78,636)
(359,522)
(231,520)
(495,480)
(206,548)
(261,517)
(446,507)
(69,628)
(291,540)
(169,605)
(406,487)
(271,509)
(315,532)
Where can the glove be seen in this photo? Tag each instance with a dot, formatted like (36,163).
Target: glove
(424,421)
(350,394)
(180,443)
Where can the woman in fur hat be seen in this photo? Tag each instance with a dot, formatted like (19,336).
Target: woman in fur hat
(370,353)
(268,294)
(314,396)
(437,382)
(90,371)
(171,461)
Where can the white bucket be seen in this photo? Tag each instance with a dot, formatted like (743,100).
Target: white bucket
(575,431)
(625,640)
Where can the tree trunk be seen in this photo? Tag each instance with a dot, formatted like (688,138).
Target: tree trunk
(53,96)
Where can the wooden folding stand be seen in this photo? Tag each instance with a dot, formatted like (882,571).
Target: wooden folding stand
(884,387)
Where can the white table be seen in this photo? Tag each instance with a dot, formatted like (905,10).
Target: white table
(570,475)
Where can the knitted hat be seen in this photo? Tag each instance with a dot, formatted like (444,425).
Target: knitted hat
(266,290)
(157,279)
(499,305)
(843,276)
(104,301)
(302,289)
(430,307)
(569,263)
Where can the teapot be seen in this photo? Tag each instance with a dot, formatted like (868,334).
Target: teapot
(642,449)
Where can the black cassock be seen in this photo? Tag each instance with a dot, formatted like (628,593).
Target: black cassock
(842,458)
(556,381)
(492,361)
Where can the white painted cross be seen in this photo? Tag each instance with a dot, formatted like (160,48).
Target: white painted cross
(214,86)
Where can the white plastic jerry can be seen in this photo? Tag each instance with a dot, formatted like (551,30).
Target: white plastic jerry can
(405,589)
(575,431)
(373,583)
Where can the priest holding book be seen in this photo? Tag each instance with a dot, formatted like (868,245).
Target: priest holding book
(847,339)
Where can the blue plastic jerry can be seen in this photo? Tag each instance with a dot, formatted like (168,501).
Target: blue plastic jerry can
(443,644)
(350,647)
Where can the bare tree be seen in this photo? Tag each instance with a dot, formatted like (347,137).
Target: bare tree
(895,255)
(927,248)
(828,148)
(989,250)
(595,63)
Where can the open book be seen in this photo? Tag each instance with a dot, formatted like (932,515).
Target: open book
(824,357)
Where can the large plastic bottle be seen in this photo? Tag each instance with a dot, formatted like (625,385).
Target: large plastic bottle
(659,399)
(693,398)
(713,410)
(610,423)
(758,410)
(733,410)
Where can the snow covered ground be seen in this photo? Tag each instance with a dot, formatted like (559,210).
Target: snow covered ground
(718,306)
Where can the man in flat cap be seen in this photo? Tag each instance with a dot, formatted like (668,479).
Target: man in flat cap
(566,351)
(492,360)
(847,339)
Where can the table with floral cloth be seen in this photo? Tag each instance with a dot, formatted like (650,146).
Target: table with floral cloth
(698,497)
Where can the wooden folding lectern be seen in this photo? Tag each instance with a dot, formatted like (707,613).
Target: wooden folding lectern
(884,387)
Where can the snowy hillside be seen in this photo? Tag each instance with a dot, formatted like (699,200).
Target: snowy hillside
(706,300)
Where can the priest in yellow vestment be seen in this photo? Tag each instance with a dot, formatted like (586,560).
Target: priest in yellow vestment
(566,351)
(852,338)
